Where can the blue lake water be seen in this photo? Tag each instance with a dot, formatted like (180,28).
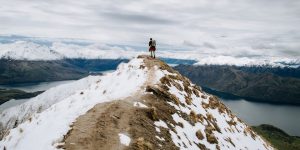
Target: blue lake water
(286,117)
(33,87)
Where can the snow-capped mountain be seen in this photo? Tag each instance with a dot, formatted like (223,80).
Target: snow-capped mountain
(144,104)
(28,49)
(246,61)
(22,50)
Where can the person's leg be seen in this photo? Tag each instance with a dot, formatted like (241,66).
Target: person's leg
(151,53)
(154,54)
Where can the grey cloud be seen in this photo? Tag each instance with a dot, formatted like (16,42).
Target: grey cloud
(137,18)
(188,43)
(290,52)
(209,45)
(248,27)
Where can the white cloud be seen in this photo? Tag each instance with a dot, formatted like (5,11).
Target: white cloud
(227,27)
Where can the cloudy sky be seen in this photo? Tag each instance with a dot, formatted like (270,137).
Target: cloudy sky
(219,27)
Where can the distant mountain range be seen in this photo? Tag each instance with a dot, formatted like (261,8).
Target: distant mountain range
(274,85)
(24,71)
(33,48)
(27,50)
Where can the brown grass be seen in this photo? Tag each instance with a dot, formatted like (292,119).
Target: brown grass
(209,134)
(165,80)
(228,139)
(142,66)
(153,114)
(188,100)
(199,135)
(201,146)
(196,92)
(231,122)
(142,144)
(200,117)
(211,138)
(193,116)
(180,124)
(205,105)
(250,131)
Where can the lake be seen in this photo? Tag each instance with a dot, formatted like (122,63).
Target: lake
(41,86)
(285,117)
(29,87)
(33,87)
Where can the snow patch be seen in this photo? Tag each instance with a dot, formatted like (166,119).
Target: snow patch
(160,123)
(124,139)
(160,138)
(139,104)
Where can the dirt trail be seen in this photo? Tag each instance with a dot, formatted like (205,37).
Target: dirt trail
(100,126)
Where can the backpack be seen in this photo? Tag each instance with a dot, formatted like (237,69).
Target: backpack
(153,43)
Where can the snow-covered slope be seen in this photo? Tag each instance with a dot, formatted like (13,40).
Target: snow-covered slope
(167,111)
(16,115)
(202,121)
(47,117)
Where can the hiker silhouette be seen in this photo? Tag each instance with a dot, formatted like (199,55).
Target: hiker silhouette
(152,47)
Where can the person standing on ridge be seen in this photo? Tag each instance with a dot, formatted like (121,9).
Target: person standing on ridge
(152,47)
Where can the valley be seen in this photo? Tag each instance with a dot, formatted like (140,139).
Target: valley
(260,85)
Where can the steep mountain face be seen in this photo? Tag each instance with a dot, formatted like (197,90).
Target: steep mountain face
(280,71)
(20,71)
(144,104)
(250,84)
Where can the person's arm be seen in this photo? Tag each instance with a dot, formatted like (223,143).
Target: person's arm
(150,42)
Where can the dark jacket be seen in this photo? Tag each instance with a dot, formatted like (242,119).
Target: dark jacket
(150,42)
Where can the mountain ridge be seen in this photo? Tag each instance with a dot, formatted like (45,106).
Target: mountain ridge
(168,112)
